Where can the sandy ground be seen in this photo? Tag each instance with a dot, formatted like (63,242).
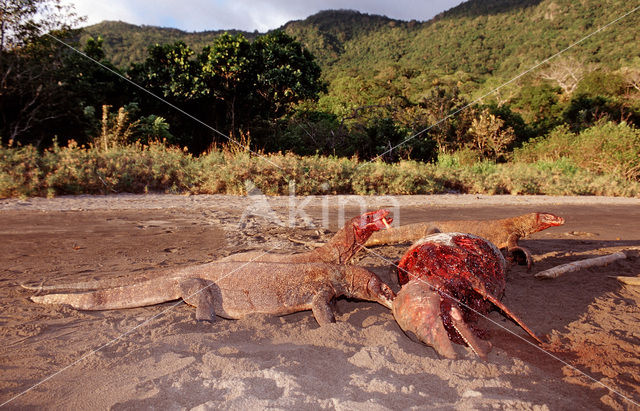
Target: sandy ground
(158,357)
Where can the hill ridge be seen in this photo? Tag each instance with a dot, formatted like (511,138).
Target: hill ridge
(479,37)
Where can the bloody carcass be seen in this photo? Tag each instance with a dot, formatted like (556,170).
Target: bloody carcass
(448,280)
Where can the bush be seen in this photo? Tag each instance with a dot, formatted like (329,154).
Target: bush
(610,148)
(155,167)
(551,147)
(20,172)
(604,148)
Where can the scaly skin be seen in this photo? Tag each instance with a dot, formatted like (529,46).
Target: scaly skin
(504,233)
(236,289)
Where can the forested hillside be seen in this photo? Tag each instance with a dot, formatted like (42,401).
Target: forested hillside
(126,43)
(348,84)
(379,68)
(479,37)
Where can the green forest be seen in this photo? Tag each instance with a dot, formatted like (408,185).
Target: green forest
(493,87)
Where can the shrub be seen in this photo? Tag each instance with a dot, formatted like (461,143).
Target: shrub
(141,168)
(610,148)
(20,172)
(604,148)
(552,147)
(490,137)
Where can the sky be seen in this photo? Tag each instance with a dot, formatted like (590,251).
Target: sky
(246,15)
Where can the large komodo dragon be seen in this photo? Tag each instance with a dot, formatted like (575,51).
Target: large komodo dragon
(235,289)
(340,249)
(253,282)
(504,233)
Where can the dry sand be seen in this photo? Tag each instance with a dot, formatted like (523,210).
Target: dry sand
(158,357)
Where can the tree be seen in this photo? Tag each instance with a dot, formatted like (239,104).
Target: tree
(601,83)
(490,136)
(567,72)
(23,21)
(34,86)
(172,73)
(286,73)
(631,76)
(450,132)
(308,131)
(232,85)
(169,72)
(228,76)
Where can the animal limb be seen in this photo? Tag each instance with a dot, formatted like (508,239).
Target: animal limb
(321,307)
(521,256)
(479,287)
(416,309)
(480,347)
(197,292)
(417,312)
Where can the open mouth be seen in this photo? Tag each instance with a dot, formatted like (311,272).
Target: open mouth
(375,220)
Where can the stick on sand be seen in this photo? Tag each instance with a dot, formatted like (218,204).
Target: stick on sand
(579,265)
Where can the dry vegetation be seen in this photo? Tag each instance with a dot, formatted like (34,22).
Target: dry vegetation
(602,160)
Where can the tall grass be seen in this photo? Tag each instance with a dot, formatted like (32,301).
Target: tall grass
(73,169)
(552,166)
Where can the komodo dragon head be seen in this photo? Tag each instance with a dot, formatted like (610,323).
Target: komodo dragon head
(546,220)
(368,223)
(361,283)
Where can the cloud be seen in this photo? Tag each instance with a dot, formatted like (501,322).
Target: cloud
(248,15)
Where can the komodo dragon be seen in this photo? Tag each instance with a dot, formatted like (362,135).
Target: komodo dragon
(504,233)
(340,249)
(236,289)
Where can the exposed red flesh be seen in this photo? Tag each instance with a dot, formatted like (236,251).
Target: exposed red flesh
(468,272)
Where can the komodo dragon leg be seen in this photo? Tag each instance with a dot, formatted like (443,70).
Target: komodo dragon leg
(518,254)
(197,292)
(321,306)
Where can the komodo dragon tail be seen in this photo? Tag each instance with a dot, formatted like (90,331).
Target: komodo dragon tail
(402,234)
(135,295)
(80,285)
